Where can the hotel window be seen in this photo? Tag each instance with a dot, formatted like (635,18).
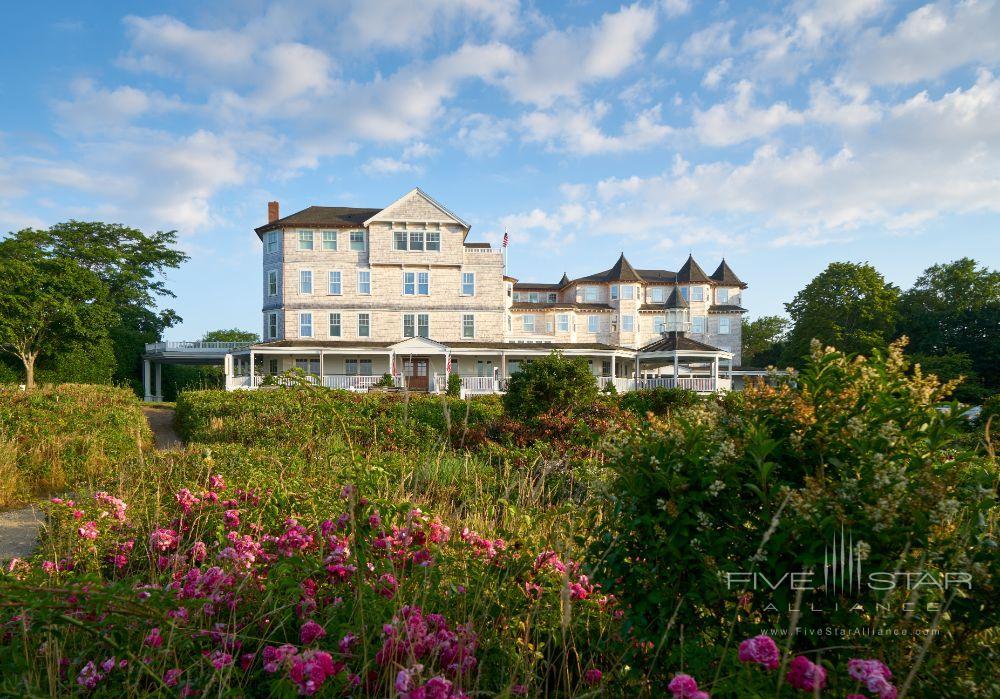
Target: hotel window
(684,293)
(399,238)
(484,368)
(365,367)
(468,326)
(590,294)
(310,366)
(409,325)
(605,367)
(697,293)
(614,292)
(416,240)
(272,366)
(628,324)
(723,326)
(358,240)
(423,283)
(433,241)
(553,298)
(416,283)
(698,324)
(722,295)
(593,323)
(272,326)
(656,294)
(423,325)
(305,281)
(517,296)
(562,322)
(329,240)
(272,282)
(364,324)
(271,242)
(659,323)
(334,325)
(305,240)
(533,297)
(628,292)
(528,323)
(336,287)
(468,283)
(364,281)
(305,324)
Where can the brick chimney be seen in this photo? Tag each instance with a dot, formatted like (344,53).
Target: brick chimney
(272,212)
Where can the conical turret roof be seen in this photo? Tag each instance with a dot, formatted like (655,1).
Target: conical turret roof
(724,275)
(691,272)
(676,300)
(623,272)
(564,281)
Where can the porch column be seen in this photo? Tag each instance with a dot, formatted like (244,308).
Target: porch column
(637,363)
(503,365)
(676,368)
(158,377)
(613,374)
(147,393)
(392,364)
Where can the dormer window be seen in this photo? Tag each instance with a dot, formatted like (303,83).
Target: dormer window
(553,298)
(656,294)
(722,295)
(697,293)
(590,294)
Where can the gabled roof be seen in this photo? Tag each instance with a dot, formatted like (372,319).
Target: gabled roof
(416,190)
(321,217)
(725,275)
(674,341)
(623,271)
(691,272)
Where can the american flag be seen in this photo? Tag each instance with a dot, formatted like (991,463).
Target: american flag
(448,368)
(506,238)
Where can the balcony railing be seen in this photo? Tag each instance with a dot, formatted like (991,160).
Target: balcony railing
(208,347)
(485,251)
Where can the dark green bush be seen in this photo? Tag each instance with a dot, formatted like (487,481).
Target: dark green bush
(454,385)
(552,384)
(658,400)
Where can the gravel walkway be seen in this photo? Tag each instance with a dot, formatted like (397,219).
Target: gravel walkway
(19,528)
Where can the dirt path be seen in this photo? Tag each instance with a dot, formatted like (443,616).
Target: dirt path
(19,532)
(19,528)
(161,421)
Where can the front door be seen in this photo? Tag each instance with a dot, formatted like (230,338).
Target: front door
(415,369)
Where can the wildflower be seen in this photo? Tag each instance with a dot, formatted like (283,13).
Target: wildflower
(216,482)
(172,676)
(199,551)
(875,676)
(89,676)
(232,518)
(153,639)
(386,586)
(404,678)
(761,650)
(117,506)
(685,687)
(275,657)
(311,631)
(88,531)
(310,669)
(593,676)
(346,642)
(519,690)
(163,539)
(220,659)
(581,589)
(806,675)
(186,499)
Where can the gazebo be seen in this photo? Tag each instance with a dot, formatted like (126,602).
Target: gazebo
(695,365)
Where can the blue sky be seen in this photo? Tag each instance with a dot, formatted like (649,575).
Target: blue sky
(781,135)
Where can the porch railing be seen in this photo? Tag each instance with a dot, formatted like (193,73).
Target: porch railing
(350,382)
(199,346)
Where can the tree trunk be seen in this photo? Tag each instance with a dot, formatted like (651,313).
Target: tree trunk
(29,370)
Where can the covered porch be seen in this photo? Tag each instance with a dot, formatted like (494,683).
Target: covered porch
(677,361)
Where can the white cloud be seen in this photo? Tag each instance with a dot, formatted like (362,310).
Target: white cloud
(408,24)
(738,120)
(389,166)
(577,130)
(561,62)
(481,134)
(675,8)
(93,109)
(715,75)
(929,42)
(167,46)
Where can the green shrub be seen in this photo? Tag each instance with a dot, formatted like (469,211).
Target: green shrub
(386,381)
(762,484)
(658,400)
(552,384)
(454,385)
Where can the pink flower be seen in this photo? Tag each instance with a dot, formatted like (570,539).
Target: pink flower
(875,676)
(404,678)
(684,687)
(346,642)
(89,676)
(593,676)
(761,650)
(216,482)
(232,518)
(117,506)
(88,531)
(171,677)
(275,657)
(154,639)
(220,659)
(163,539)
(386,585)
(806,675)
(310,669)
(310,632)
(199,552)
(186,499)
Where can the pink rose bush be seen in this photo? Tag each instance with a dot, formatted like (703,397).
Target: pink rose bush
(761,650)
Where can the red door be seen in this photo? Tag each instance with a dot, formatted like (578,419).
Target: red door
(415,370)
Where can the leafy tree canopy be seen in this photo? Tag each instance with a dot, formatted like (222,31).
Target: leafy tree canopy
(762,340)
(555,383)
(849,306)
(230,335)
(48,303)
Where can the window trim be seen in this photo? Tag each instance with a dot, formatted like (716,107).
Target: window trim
(312,240)
(368,316)
(272,282)
(302,316)
(414,235)
(631,322)
(462,291)
(272,325)
(364,241)
(427,241)
(269,238)
(729,325)
(718,296)
(340,282)
(594,324)
(340,324)
(311,285)
(369,273)
(336,242)
(468,320)
(524,322)
(396,240)
(560,317)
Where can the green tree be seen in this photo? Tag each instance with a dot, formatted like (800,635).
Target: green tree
(954,309)
(230,335)
(763,340)
(132,266)
(849,306)
(554,383)
(48,304)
